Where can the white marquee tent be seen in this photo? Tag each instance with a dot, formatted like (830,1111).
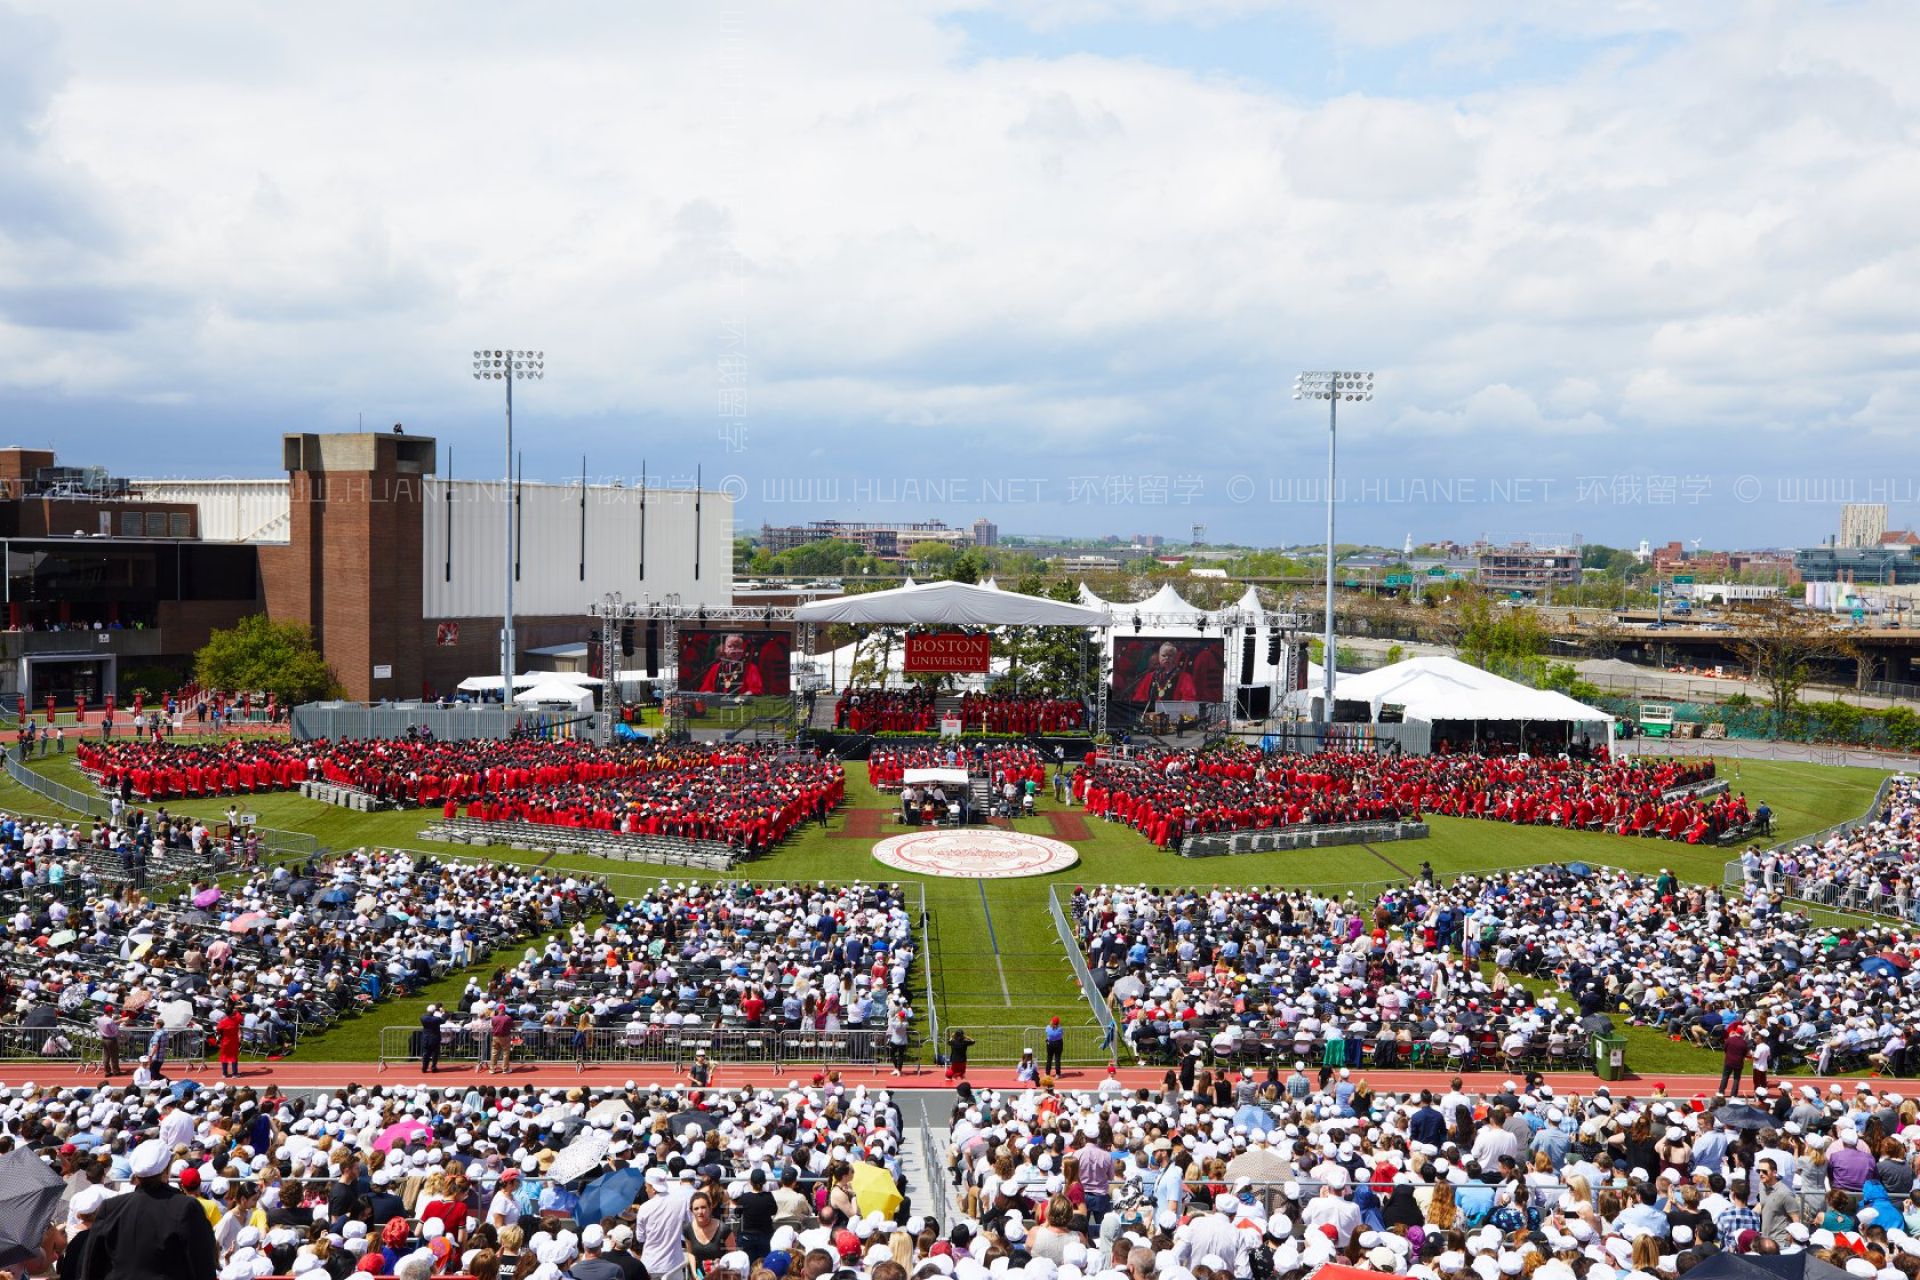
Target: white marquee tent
(556,693)
(950,604)
(1436,690)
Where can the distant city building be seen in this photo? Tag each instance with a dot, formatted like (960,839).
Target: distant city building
(1900,538)
(1087,564)
(1862,523)
(1867,566)
(985,533)
(1148,541)
(1674,558)
(1529,569)
(885,541)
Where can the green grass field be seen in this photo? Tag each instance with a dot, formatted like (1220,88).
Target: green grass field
(997,961)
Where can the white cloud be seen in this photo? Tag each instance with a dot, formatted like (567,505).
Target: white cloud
(329,207)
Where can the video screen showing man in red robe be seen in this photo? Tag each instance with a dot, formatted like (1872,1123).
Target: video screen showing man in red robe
(736,663)
(1150,672)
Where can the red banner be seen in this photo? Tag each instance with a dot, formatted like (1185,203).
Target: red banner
(947,651)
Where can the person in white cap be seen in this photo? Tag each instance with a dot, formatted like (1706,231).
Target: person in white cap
(156,1232)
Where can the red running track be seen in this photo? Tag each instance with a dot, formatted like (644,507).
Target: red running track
(335,1074)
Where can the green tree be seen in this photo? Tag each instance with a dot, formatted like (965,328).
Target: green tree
(258,654)
(1782,646)
(1498,639)
(811,559)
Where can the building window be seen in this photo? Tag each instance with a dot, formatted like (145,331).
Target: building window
(156,524)
(180,524)
(130,524)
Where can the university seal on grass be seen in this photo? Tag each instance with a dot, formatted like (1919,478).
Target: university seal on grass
(984,854)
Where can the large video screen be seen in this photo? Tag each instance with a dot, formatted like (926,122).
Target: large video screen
(731,663)
(1149,671)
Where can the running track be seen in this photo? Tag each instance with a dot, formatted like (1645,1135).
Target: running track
(333,1074)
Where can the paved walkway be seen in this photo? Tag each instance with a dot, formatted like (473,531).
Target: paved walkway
(731,1075)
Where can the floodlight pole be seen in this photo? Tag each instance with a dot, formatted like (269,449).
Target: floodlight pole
(1331,386)
(506,366)
(1326,644)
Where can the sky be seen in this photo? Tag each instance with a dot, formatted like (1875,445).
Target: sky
(1622,269)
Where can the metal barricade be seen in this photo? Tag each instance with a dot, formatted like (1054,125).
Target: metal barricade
(94,806)
(60,1043)
(1063,925)
(648,1045)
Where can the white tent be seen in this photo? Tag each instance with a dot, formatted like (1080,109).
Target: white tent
(950,604)
(952,777)
(556,693)
(1439,688)
(528,679)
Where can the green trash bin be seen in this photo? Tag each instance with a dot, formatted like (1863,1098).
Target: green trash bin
(1610,1057)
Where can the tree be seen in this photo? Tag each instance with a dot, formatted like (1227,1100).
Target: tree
(259,654)
(1781,647)
(1498,639)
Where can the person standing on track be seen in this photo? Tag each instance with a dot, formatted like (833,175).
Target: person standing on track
(957,1045)
(1056,1046)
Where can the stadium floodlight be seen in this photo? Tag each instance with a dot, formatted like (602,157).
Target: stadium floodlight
(1333,386)
(508,366)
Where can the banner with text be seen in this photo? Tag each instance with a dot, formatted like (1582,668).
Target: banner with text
(947,651)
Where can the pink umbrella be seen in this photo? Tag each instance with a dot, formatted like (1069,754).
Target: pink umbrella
(403,1132)
(247,923)
(207,897)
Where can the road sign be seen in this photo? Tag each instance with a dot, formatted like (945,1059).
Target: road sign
(1399,579)
(1437,571)
(1682,579)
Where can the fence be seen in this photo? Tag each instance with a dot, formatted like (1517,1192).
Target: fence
(1212,844)
(1748,749)
(93,805)
(1069,939)
(651,1045)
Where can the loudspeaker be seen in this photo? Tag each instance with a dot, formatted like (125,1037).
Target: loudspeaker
(1273,647)
(653,647)
(626,639)
(1246,656)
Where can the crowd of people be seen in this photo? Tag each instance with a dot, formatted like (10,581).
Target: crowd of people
(999,762)
(286,950)
(1262,974)
(748,796)
(787,956)
(481,1180)
(1168,795)
(886,710)
(1869,866)
(1021,713)
(1258,1175)
(1231,1175)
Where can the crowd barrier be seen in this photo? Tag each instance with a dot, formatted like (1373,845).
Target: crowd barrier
(1213,844)
(648,1046)
(771,1046)
(1077,960)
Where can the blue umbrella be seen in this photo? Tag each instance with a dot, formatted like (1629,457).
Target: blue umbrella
(610,1194)
(1878,967)
(1579,869)
(335,898)
(1256,1119)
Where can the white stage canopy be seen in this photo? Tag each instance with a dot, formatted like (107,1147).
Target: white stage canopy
(1438,688)
(556,693)
(528,679)
(951,604)
(914,777)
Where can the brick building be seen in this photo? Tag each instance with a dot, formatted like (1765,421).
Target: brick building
(399,571)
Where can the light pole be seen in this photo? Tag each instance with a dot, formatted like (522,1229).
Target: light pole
(1333,386)
(508,367)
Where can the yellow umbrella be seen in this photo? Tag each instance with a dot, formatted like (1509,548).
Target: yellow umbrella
(874,1190)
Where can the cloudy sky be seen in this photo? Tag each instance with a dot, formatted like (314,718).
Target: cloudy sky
(1625,268)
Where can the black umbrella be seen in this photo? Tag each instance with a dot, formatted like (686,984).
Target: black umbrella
(705,1120)
(1598,1024)
(1738,1115)
(29,1193)
(41,1015)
